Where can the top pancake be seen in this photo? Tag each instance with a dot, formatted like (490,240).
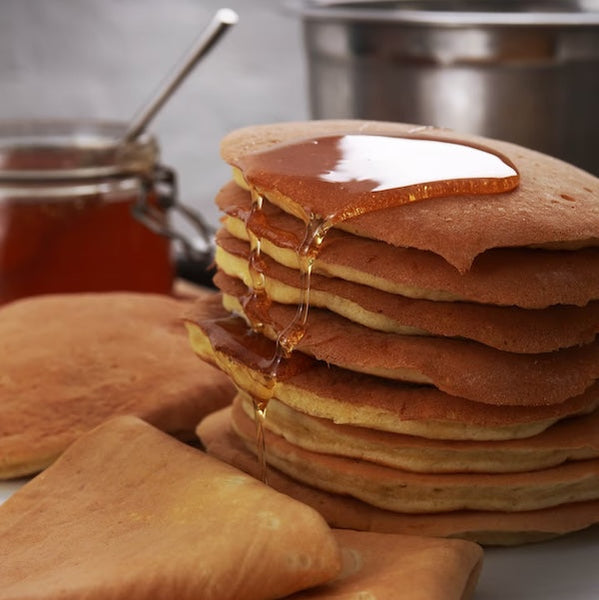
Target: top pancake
(68,362)
(555,202)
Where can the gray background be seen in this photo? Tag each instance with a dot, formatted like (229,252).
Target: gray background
(104,58)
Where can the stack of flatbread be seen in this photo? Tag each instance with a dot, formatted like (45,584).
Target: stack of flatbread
(445,381)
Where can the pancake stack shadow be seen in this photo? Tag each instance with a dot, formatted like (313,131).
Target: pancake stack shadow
(446,381)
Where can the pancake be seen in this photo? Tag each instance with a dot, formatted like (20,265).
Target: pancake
(485,527)
(422,568)
(501,277)
(404,491)
(574,439)
(353,398)
(457,367)
(554,204)
(130,513)
(70,362)
(506,328)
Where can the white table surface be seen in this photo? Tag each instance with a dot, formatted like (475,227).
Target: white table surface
(563,569)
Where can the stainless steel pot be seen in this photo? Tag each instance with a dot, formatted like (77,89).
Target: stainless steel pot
(525,71)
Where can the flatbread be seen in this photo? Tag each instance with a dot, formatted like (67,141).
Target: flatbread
(555,202)
(507,328)
(415,567)
(485,527)
(70,362)
(130,513)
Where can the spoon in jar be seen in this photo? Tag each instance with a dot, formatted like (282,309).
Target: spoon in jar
(151,217)
(222,20)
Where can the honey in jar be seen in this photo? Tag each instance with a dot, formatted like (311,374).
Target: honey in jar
(69,191)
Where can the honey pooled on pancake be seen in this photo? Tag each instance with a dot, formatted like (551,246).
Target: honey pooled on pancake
(328,180)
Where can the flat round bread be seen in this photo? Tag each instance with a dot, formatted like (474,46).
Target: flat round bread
(70,362)
(431,568)
(129,513)
(439,310)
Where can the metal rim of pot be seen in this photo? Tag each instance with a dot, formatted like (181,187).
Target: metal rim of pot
(558,13)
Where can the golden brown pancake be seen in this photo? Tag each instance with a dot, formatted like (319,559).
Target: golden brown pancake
(503,327)
(404,491)
(486,527)
(415,567)
(573,439)
(457,367)
(130,513)
(71,361)
(357,399)
(555,202)
(523,277)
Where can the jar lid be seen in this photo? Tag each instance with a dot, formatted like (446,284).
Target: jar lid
(71,149)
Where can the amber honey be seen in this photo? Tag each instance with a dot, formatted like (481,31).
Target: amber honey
(78,245)
(67,197)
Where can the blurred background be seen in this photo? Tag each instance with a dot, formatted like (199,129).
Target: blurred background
(104,58)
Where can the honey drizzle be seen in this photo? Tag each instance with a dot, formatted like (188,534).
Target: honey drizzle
(307,252)
(255,306)
(256,302)
(259,418)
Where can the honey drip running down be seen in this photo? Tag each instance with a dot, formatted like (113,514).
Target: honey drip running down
(325,181)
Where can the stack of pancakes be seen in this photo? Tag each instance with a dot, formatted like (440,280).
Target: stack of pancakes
(445,380)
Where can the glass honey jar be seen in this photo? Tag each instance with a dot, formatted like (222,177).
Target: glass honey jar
(80,211)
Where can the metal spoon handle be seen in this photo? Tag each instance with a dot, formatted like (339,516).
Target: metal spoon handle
(221,21)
